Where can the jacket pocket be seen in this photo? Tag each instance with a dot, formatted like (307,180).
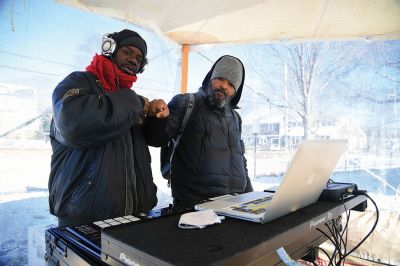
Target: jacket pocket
(81,199)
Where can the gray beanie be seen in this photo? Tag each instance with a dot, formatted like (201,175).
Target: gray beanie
(230,68)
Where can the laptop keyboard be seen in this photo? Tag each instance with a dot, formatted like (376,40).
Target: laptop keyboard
(255,206)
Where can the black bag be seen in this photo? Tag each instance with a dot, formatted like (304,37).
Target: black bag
(167,152)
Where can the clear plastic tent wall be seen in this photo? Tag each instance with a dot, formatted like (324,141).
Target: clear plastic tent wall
(314,90)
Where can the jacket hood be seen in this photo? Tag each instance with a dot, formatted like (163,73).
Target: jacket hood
(236,98)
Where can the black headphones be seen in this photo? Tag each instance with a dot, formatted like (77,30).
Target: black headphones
(109,46)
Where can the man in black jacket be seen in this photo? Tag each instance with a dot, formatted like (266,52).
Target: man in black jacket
(100,167)
(209,159)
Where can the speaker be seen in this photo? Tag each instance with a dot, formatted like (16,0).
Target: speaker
(108,44)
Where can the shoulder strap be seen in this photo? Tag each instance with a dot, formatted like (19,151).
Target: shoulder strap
(188,113)
(239,120)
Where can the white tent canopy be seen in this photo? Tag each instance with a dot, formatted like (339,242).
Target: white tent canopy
(233,21)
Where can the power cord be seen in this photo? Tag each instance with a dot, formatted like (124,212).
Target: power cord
(364,192)
(337,233)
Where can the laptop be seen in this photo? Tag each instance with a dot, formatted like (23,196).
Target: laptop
(302,184)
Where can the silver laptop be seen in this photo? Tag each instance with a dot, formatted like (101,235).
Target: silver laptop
(302,184)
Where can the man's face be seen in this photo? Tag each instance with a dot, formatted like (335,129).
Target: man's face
(128,59)
(222,88)
(220,92)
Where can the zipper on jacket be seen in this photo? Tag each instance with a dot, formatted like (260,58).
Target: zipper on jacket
(125,173)
(230,163)
(101,87)
(226,127)
(132,186)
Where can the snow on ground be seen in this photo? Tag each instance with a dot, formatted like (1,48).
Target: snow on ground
(15,220)
(24,171)
(22,168)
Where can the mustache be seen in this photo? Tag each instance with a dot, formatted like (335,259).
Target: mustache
(222,91)
(131,66)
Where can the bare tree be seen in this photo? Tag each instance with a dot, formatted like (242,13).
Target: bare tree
(386,66)
(311,69)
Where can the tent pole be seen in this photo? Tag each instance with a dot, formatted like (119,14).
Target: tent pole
(185,64)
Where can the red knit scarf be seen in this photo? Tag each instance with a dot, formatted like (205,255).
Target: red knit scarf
(104,70)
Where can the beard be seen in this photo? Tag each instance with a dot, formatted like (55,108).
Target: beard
(213,98)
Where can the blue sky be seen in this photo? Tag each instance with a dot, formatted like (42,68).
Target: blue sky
(46,41)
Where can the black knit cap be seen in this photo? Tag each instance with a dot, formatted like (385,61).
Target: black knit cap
(130,38)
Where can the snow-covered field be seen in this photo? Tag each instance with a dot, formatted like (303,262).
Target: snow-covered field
(24,170)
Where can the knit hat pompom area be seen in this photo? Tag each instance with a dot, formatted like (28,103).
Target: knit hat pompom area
(230,68)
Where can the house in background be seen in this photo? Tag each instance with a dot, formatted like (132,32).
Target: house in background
(347,128)
(275,136)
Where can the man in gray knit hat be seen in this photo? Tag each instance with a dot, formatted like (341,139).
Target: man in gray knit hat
(209,158)
(226,78)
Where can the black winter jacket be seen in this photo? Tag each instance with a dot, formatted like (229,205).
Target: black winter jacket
(209,159)
(100,167)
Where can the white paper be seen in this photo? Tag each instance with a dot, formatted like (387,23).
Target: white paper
(199,219)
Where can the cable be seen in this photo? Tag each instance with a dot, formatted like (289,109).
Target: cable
(338,234)
(345,229)
(39,59)
(364,192)
(333,242)
(338,239)
(337,242)
(326,254)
